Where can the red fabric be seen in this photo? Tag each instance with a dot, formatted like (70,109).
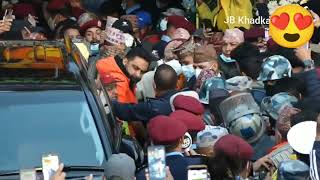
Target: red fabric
(181,22)
(109,66)
(278,146)
(194,123)
(22,10)
(318,72)
(108,79)
(153,39)
(90,24)
(253,34)
(189,104)
(77,12)
(164,130)
(234,146)
(54,5)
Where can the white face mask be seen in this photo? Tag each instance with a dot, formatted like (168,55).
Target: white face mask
(163,24)
(198,71)
(188,71)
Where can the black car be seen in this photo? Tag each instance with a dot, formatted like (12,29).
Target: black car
(49,106)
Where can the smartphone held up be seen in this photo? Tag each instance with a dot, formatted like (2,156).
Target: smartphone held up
(157,162)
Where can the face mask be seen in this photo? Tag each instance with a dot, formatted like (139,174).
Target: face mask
(94,49)
(198,71)
(188,71)
(227,59)
(163,24)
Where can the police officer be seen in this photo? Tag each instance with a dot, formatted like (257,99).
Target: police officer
(167,131)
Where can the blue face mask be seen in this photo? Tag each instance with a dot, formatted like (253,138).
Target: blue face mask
(94,49)
(227,59)
(163,24)
(188,71)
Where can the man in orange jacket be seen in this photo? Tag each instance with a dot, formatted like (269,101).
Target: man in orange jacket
(128,70)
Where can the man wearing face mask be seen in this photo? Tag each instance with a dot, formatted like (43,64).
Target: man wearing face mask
(185,53)
(169,26)
(231,39)
(91,31)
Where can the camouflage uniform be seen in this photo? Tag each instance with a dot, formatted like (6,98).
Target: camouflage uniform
(274,68)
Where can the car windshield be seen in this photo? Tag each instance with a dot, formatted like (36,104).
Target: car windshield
(36,123)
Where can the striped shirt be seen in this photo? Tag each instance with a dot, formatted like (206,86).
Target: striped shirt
(315,161)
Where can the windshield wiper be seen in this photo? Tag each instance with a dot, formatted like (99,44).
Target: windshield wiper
(65,169)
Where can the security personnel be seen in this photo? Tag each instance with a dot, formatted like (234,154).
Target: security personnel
(189,104)
(167,131)
(165,80)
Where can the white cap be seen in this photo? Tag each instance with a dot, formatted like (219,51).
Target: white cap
(210,135)
(193,94)
(302,135)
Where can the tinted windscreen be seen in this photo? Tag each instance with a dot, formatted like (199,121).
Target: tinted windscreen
(35,123)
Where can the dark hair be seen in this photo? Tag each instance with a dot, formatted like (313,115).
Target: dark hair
(304,115)
(65,11)
(65,25)
(171,147)
(110,7)
(290,55)
(139,52)
(165,78)
(224,167)
(249,59)
(292,85)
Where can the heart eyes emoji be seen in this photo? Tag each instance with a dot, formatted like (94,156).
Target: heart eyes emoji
(282,21)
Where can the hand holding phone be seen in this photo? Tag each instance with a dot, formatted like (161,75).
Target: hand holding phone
(32,20)
(50,165)
(157,162)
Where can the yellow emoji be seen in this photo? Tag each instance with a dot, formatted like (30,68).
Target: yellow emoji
(291,26)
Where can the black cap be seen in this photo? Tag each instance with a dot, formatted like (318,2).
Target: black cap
(123,25)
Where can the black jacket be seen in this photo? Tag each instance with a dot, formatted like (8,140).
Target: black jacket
(144,111)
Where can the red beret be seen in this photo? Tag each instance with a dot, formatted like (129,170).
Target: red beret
(55,5)
(253,34)
(181,22)
(108,79)
(189,104)
(90,24)
(164,130)
(234,147)
(22,10)
(194,123)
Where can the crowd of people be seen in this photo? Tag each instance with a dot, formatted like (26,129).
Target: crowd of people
(247,103)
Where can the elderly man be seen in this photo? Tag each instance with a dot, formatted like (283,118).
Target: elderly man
(231,39)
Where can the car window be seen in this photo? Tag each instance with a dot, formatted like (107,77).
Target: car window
(59,122)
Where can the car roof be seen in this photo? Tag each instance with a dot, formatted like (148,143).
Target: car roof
(39,63)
